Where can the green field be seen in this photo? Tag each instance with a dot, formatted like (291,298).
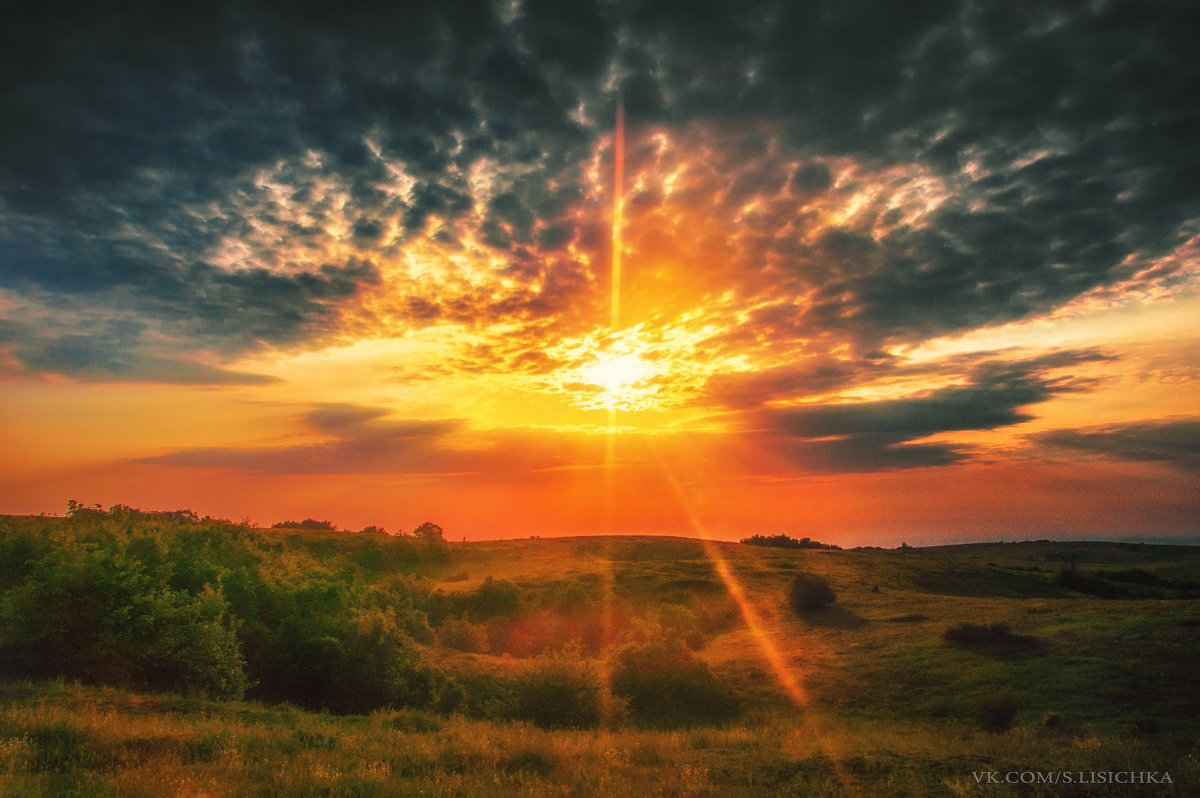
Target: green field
(156,654)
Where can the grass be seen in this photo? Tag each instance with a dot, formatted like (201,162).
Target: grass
(1037,677)
(62,739)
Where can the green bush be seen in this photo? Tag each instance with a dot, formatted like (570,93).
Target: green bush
(169,601)
(997,711)
(462,635)
(559,690)
(95,614)
(665,684)
(810,592)
(495,598)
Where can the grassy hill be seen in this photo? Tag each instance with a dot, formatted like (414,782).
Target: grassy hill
(163,654)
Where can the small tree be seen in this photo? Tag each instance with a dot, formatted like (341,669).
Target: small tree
(429,532)
(810,592)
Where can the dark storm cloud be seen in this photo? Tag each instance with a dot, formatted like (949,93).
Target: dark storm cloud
(134,143)
(885,434)
(1173,442)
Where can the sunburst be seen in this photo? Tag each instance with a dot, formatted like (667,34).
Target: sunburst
(625,381)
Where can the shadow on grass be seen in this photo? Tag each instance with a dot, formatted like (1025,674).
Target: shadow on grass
(835,618)
(994,640)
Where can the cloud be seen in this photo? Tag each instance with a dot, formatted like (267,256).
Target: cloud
(1174,442)
(356,439)
(887,434)
(754,388)
(108,350)
(813,176)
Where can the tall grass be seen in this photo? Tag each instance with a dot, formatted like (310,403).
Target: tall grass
(62,739)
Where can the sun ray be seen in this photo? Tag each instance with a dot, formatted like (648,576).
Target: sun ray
(618,215)
(610,442)
(818,727)
(774,658)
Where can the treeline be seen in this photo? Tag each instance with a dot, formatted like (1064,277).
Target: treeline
(337,621)
(786,542)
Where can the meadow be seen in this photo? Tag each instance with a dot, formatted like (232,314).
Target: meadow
(164,654)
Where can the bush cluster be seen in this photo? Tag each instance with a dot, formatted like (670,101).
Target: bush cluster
(330,621)
(560,690)
(810,592)
(174,602)
(665,684)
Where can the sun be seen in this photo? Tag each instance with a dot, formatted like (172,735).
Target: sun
(625,381)
(616,373)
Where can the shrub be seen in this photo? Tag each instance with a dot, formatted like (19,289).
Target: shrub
(559,691)
(462,635)
(347,661)
(810,592)
(493,599)
(997,711)
(96,614)
(665,684)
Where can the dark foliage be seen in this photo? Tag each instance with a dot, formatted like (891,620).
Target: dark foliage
(559,691)
(99,615)
(665,684)
(495,598)
(997,711)
(786,542)
(1084,583)
(307,523)
(429,531)
(170,601)
(810,592)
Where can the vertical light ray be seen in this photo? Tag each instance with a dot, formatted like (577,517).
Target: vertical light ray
(618,215)
(615,300)
(610,443)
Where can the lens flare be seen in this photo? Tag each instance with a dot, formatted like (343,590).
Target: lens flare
(618,214)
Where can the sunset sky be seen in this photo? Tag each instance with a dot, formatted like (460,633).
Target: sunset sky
(865,272)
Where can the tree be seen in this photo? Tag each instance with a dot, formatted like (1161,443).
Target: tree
(429,532)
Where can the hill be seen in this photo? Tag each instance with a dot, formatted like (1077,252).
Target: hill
(137,644)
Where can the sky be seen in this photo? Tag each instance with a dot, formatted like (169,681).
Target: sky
(869,272)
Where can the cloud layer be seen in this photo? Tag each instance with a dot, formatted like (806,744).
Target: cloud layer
(811,190)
